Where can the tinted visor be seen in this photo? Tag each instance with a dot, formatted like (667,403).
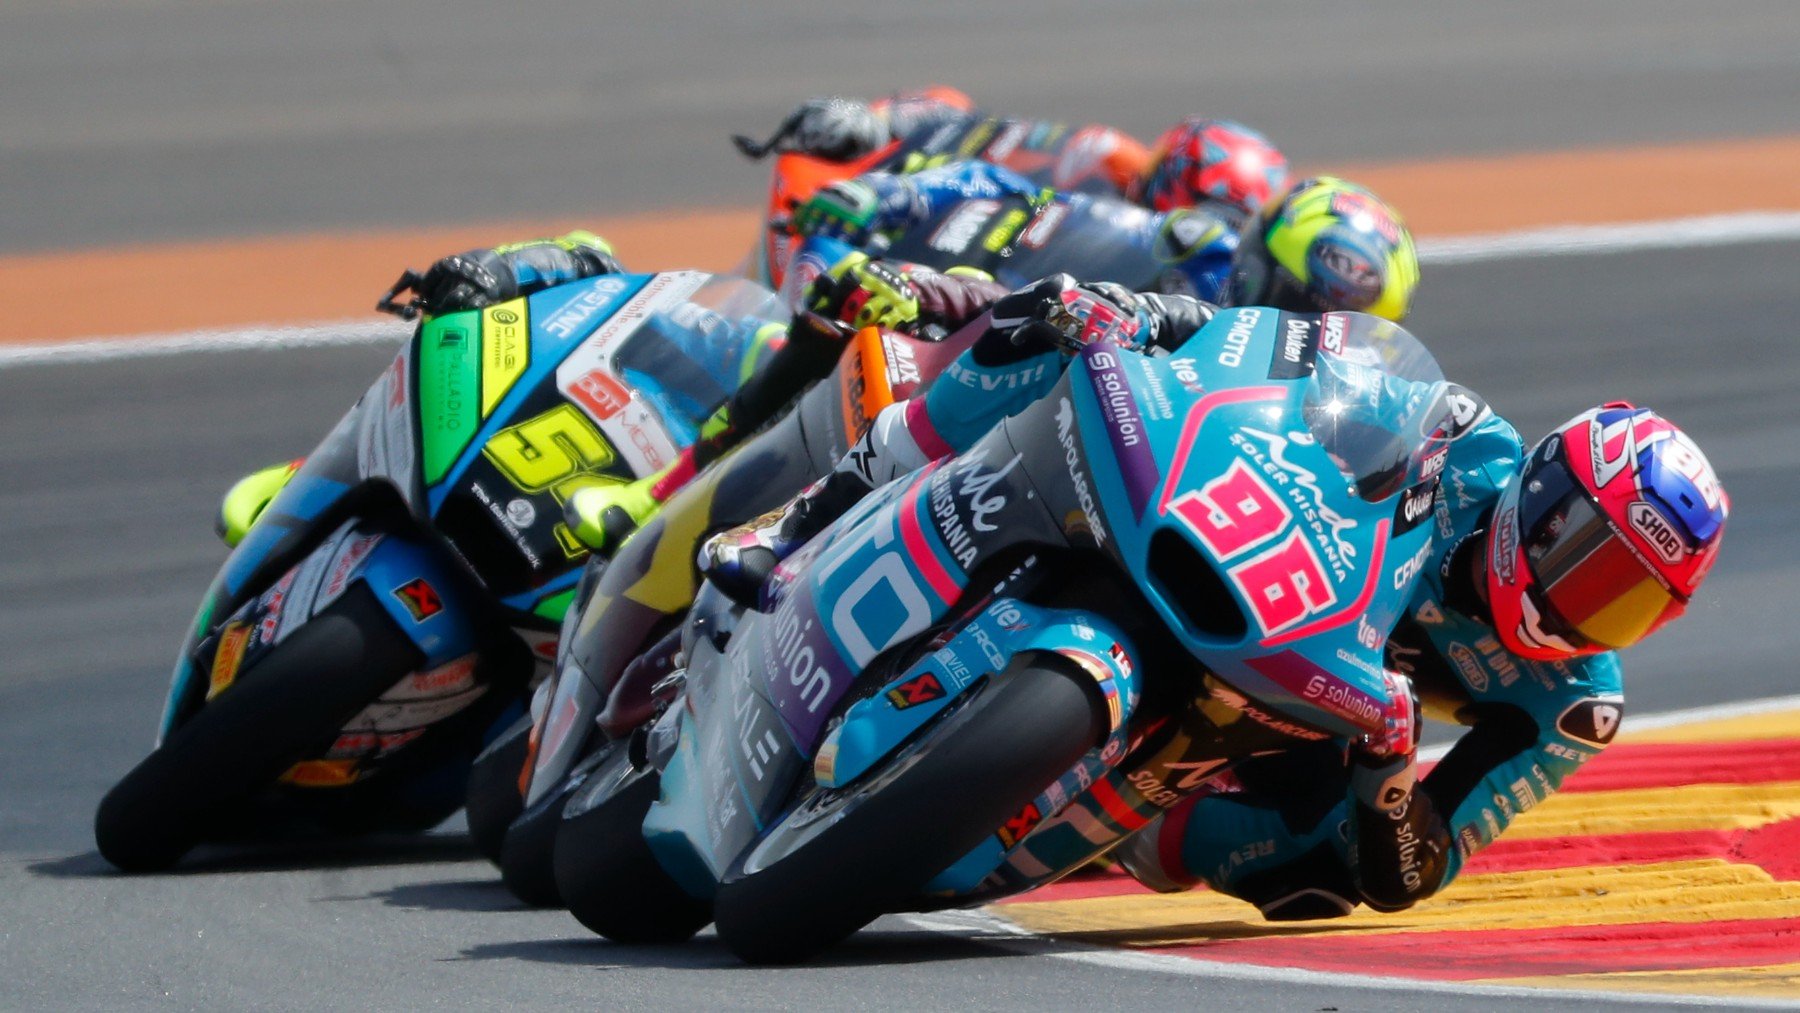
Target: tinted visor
(1591,587)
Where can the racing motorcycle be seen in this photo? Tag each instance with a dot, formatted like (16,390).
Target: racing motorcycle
(617,638)
(389,605)
(993,670)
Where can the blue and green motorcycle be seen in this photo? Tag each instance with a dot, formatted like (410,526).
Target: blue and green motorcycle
(388,608)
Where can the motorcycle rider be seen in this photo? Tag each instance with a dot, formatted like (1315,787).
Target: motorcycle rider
(982,214)
(1556,558)
(910,131)
(763,371)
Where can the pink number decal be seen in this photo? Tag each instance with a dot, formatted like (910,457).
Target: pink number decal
(1233,512)
(1285,584)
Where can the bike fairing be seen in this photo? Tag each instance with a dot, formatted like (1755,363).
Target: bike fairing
(460,370)
(1536,722)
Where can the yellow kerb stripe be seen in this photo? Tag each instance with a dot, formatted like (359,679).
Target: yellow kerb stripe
(1774,725)
(1642,810)
(1690,891)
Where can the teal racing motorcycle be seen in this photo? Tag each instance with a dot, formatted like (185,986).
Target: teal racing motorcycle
(996,669)
(389,607)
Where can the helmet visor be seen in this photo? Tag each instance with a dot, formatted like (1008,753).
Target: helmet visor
(1592,587)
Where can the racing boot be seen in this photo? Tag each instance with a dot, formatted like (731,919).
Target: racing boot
(740,561)
(245,500)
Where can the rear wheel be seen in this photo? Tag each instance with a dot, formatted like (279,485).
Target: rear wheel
(842,857)
(494,798)
(289,705)
(607,874)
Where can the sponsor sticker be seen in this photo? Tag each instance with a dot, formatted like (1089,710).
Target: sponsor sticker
(1469,666)
(958,231)
(233,640)
(1015,829)
(1296,346)
(1649,522)
(913,692)
(1415,505)
(420,598)
(1594,721)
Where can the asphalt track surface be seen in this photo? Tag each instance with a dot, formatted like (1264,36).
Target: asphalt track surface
(169,119)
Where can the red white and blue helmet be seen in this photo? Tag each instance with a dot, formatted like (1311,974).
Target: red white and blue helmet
(1604,536)
(1198,161)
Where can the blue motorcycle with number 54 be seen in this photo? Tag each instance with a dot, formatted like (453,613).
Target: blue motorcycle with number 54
(390,604)
(995,669)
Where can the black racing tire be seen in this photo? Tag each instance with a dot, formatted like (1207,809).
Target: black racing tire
(840,859)
(494,799)
(527,854)
(289,704)
(605,871)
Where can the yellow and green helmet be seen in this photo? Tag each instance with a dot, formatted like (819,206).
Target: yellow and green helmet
(1328,245)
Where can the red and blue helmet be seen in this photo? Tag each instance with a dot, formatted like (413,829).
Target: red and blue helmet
(1198,161)
(1604,536)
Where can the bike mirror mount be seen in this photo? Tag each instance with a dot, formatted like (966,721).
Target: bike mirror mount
(409,310)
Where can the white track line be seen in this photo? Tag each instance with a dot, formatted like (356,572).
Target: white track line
(1675,233)
(998,931)
(249,339)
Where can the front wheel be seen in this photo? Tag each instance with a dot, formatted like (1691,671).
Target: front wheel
(840,858)
(495,798)
(605,871)
(288,705)
(528,851)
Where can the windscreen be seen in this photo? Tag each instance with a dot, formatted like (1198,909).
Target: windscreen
(1376,403)
(688,357)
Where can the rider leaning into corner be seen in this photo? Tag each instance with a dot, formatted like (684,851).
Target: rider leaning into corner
(1165,219)
(915,130)
(979,214)
(1550,561)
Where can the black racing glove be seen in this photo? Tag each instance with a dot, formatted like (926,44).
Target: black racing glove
(1060,312)
(479,278)
(835,129)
